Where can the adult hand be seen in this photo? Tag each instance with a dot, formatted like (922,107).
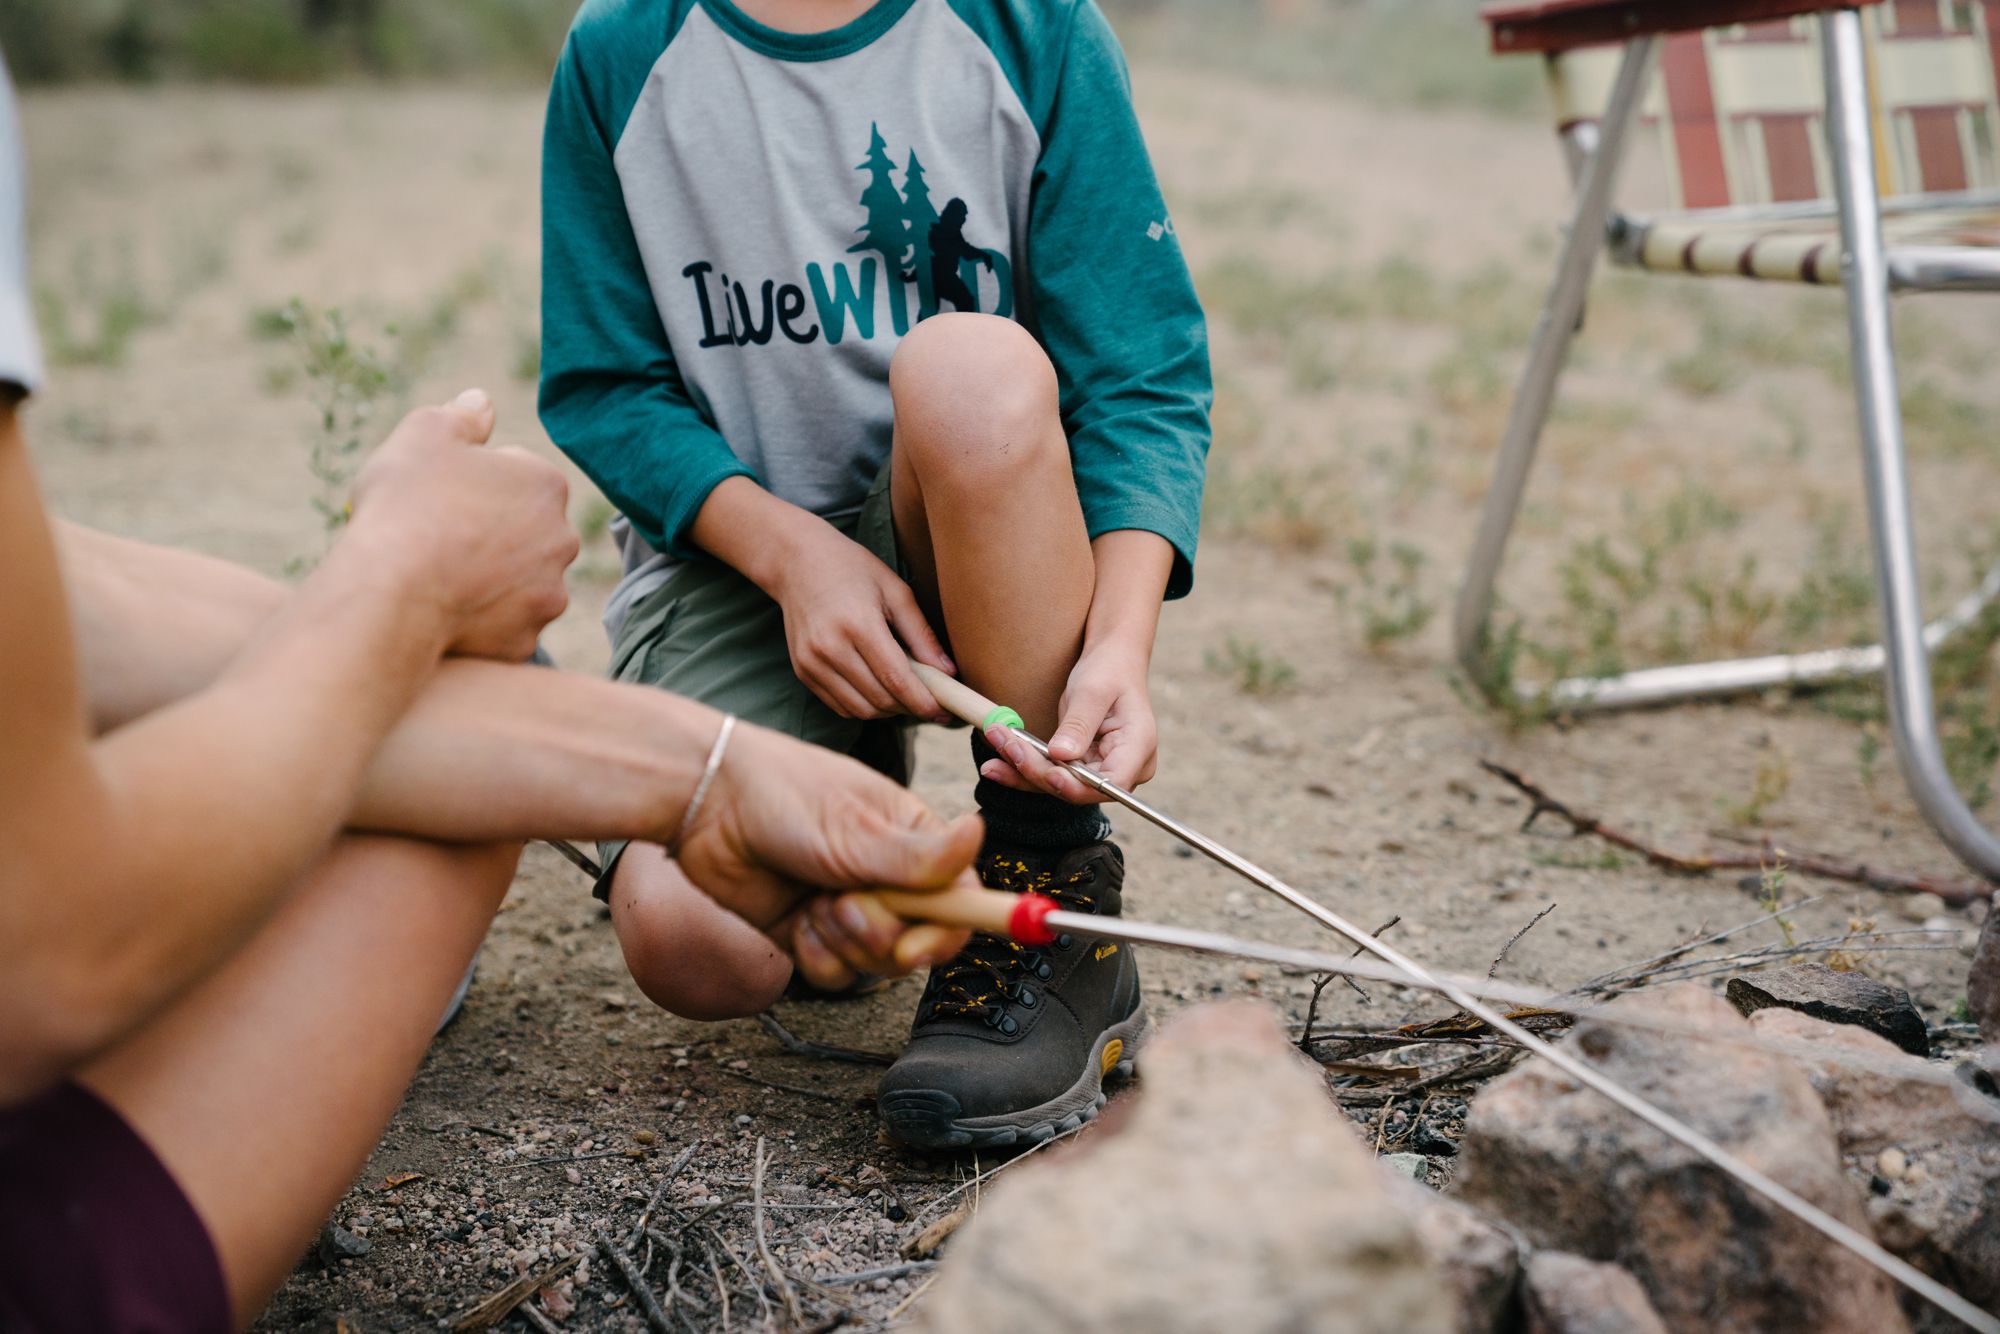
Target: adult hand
(787,824)
(482,532)
(1107,724)
(852,625)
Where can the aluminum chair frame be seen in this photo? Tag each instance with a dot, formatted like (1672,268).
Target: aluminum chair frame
(1869,273)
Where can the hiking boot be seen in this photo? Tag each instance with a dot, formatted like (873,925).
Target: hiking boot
(1012,1043)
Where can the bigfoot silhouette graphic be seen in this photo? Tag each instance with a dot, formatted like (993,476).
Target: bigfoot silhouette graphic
(948,247)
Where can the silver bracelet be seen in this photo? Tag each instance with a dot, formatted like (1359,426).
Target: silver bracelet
(708,773)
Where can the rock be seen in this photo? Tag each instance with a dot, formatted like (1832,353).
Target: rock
(1412,1165)
(1982,987)
(1478,1256)
(336,1243)
(1837,997)
(1233,1196)
(1575,1172)
(1937,1159)
(1567,1294)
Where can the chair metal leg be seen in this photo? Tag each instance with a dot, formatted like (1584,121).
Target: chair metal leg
(1553,333)
(1864,271)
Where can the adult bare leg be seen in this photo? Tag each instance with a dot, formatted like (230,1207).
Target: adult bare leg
(264,1089)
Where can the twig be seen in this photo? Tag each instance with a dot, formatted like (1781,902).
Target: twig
(911,1300)
(996,1170)
(870,1275)
(530,1313)
(674,1169)
(572,1158)
(721,1288)
(1483,1066)
(821,1094)
(785,1288)
(756,1283)
(494,1309)
(1319,983)
(1512,940)
(1956,892)
(799,1046)
(641,1290)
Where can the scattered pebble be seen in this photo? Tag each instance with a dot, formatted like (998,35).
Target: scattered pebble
(1892,1163)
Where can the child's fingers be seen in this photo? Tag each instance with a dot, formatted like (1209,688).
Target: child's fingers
(1083,718)
(908,620)
(892,669)
(860,677)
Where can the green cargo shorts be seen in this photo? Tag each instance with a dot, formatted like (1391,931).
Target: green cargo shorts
(710,634)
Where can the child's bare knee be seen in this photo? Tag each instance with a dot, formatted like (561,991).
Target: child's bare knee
(973,394)
(686,953)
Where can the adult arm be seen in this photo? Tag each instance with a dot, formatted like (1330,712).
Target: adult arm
(133,863)
(498,752)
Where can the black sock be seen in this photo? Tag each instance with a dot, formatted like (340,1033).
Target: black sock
(1032,819)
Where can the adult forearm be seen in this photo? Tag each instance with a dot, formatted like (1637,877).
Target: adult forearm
(154,624)
(488,752)
(1132,570)
(146,858)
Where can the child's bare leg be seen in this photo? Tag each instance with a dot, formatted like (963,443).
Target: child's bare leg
(986,507)
(688,953)
(265,1088)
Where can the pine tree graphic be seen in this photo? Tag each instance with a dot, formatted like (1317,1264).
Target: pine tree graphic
(885,231)
(918,215)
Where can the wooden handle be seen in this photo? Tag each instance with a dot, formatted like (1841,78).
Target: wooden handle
(958,698)
(962,905)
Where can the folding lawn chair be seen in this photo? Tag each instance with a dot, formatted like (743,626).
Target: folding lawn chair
(1905,93)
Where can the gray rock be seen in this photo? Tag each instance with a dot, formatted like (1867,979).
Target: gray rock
(1837,997)
(1479,1257)
(336,1243)
(1940,1208)
(1233,1196)
(1576,1173)
(1412,1165)
(1982,987)
(1567,1294)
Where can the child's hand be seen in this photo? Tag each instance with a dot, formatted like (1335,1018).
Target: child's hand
(1107,724)
(848,620)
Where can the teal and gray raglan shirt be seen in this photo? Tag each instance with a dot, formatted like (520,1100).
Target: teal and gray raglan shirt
(739,224)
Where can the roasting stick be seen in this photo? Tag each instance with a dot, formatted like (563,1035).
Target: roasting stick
(966,703)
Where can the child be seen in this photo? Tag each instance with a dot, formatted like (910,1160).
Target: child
(870,319)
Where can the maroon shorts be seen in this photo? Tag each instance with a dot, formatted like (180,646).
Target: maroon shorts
(96,1237)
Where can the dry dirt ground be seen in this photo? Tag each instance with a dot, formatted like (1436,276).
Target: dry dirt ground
(1371,274)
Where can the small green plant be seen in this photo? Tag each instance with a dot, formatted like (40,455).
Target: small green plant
(1254,670)
(94,321)
(1388,597)
(348,382)
(1773,781)
(1771,898)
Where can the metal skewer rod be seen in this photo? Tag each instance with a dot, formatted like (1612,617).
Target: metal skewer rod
(966,703)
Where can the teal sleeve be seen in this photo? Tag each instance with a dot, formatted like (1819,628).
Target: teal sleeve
(1113,302)
(612,397)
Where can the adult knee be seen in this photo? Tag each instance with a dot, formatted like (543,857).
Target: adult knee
(975,399)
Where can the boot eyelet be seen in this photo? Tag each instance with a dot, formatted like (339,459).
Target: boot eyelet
(1008,1026)
(1026,998)
(1064,941)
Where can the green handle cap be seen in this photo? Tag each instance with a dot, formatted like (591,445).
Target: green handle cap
(1002,716)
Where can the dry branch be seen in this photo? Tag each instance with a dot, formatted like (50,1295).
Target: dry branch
(1952,891)
(785,1289)
(494,1309)
(642,1291)
(799,1046)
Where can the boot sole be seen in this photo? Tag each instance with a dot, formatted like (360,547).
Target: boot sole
(930,1118)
